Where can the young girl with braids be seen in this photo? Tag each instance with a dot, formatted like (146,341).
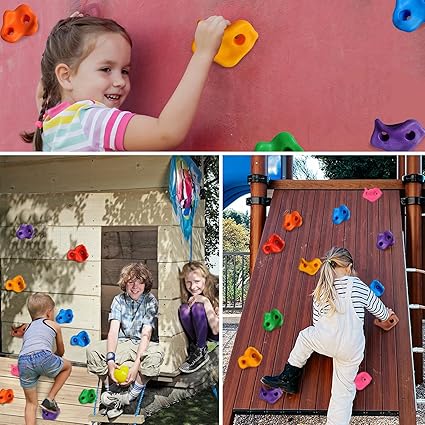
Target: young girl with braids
(85,79)
(198,313)
(339,301)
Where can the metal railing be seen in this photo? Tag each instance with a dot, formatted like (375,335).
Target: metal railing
(235,280)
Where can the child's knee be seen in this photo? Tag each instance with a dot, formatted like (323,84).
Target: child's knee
(198,308)
(184,310)
(67,366)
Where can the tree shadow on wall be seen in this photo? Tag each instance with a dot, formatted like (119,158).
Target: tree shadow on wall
(41,260)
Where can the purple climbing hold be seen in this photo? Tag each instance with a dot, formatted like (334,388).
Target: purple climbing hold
(49,416)
(385,240)
(270,395)
(25,231)
(409,15)
(397,137)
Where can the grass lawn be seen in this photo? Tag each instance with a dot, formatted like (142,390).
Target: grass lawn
(201,409)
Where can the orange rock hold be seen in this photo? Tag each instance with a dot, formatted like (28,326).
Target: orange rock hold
(6,396)
(238,39)
(309,267)
(16,284)
(388,324)
(18,23)
(251,358)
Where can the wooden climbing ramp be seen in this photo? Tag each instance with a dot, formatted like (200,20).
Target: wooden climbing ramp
(277,283)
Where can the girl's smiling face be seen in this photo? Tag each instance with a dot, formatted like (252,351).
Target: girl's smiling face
(103,75)
(195,283)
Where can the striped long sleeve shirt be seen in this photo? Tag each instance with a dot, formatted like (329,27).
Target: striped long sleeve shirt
(362,298)
(84,126)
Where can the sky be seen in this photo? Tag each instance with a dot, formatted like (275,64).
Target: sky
(311,162)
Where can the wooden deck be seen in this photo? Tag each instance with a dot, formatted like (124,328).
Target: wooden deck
(277,283)
(72,412)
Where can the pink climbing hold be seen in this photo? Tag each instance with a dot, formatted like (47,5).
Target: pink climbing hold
(373,194)
(362,380)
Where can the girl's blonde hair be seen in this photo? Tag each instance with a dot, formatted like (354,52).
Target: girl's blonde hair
(38,304)
(70,42)
(135,271)
(325,293)
(211,282)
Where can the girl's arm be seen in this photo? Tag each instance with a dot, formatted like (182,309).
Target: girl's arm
(212,316)
(171,127)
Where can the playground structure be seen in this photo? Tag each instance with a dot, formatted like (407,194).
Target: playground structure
(119,209)
(277,283)
(308,76)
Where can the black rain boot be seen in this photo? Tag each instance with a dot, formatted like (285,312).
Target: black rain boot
(288,380)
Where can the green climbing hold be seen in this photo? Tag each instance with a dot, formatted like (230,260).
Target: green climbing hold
(272,320)
(282,142)
(87,396)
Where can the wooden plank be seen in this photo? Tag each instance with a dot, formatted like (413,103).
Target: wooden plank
(55,276)
(172,247)
(382,358)
(98,173)
(6,419)
(74,353)
(168,319)
(129,244)
(51,243)
(122,208)
(168,279)
(82,306)
(79,375)
(175,352)
(122,419)
(335,184)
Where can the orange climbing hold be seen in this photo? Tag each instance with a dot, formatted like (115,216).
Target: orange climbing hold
(18,331)
(16,284)
(274,244)
(6,396)
(309,267)
(251,358)
(18,23)
(292,220)
(388,324)
(238,39)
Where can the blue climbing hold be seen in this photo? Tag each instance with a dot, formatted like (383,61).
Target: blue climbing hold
(340,214)
(82,339)
(377,287)
(409,15)
(64,316)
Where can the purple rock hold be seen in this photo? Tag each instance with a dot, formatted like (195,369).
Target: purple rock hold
(385,240)
(397,137)
(49,416)
(270,395)
(25,231)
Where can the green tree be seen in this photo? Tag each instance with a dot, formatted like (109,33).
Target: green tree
(210,192)
(237,217)
(235,236)
(359,167)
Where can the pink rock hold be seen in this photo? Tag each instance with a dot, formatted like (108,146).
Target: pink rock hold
(362,380)
(14,370)
(372,195)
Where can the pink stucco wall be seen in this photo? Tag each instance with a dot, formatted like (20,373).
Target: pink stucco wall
(322,70)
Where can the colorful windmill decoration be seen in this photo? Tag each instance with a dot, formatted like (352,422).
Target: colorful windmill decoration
(184,187)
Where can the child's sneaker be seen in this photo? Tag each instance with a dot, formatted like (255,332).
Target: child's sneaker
(50,406)
(288,380)
(195,360)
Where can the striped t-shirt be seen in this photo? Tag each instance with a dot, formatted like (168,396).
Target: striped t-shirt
(85,126)
(362,297)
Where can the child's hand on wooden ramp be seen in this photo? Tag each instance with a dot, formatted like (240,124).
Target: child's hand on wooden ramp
(209,34)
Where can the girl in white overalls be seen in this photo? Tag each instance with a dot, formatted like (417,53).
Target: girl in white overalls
(337,332)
